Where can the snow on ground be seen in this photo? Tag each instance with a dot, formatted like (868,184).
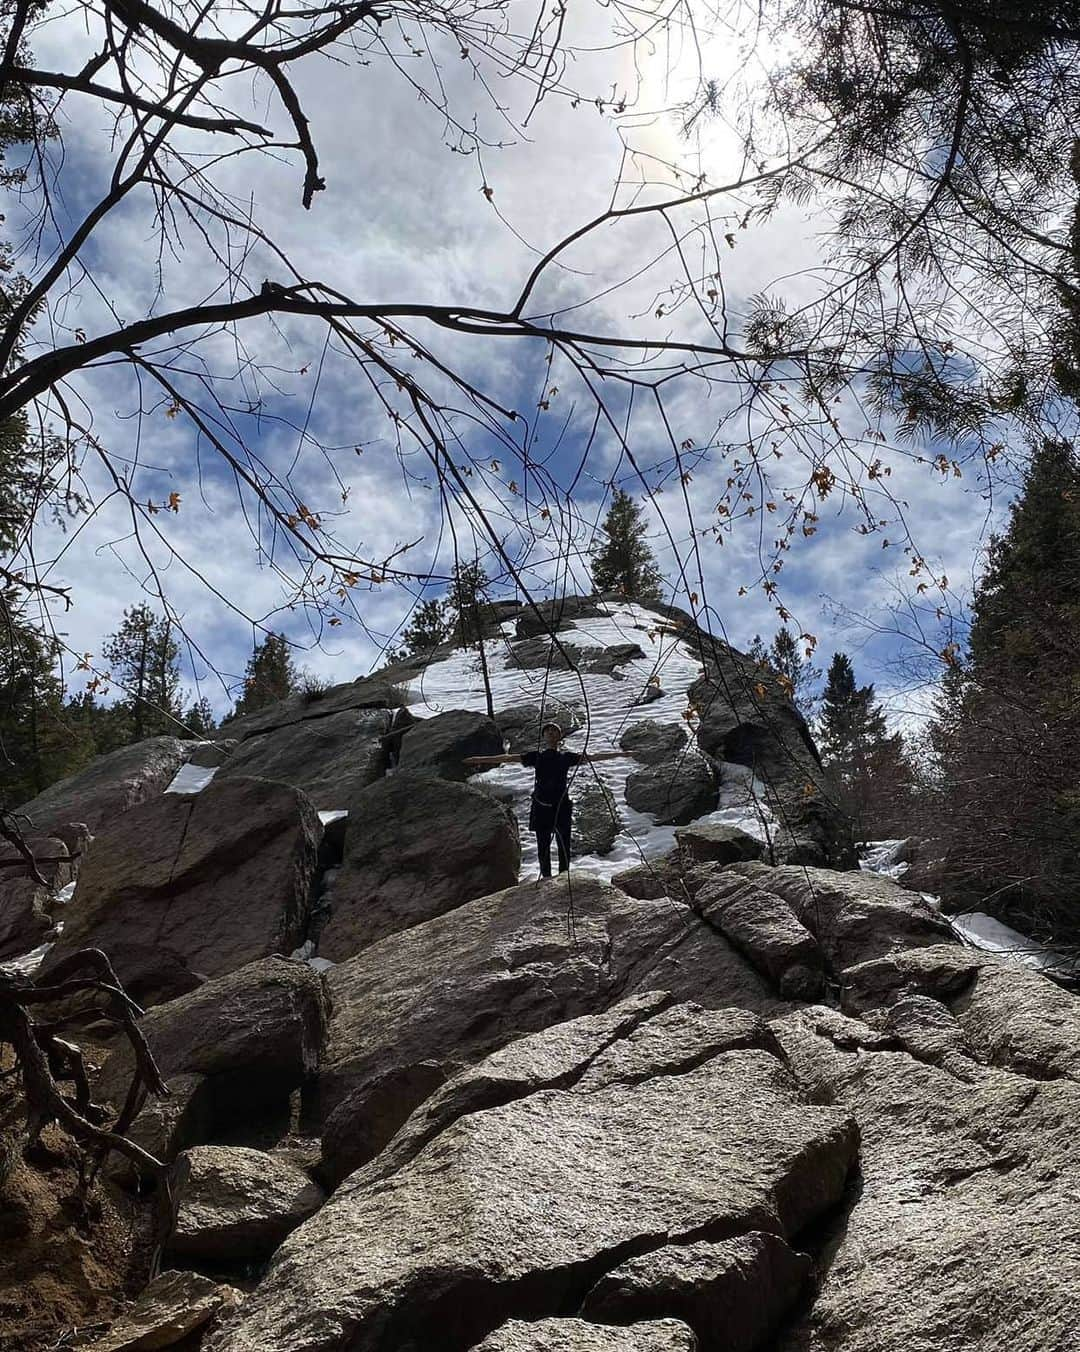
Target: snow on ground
(975,928)
(191,778)
(456,683)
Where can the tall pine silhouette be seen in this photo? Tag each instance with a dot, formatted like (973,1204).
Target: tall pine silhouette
(624,562)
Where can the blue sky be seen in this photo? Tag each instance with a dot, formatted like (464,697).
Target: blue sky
(403,217)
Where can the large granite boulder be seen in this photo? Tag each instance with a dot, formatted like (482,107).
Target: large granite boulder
(961,1232)
(329,758)
(653,743)
(24,915)
(52,860)
(715,843)
(451,990)
(108,787)
(853,916)
(549,616)
(674,791)
(210,880)
(534,1199)
(236,1205)
(256,1031)
(596,821)
(439,746)
(578,1335)
(416,847)
(745,715)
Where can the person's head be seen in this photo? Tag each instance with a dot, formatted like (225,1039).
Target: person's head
(552,735)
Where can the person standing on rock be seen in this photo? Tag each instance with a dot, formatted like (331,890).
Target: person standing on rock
(551,808)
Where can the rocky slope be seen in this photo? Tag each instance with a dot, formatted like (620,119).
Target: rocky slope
(707,1092)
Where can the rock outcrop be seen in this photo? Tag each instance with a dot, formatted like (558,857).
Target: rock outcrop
(236,1205)
(416,847)
(108,787)
(462,1235)
(439,746)
(328,758)
(673,791)
(209,881)
(454,988)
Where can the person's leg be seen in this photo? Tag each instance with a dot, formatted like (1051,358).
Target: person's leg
(562,839)
(543,847)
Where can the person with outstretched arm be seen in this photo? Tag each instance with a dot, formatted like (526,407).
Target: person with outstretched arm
(551,809)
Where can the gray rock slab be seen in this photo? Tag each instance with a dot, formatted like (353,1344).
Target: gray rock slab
(457,987)
(652,743)
(524,1202)
(260,1029)
(674,791)
(734,1294)
(963,1232)
(109,786)
(854,916)
(170,1310)
(52,860)
(439,746)
(416,847)
(212,880)
(329,758)
(577,1335)
(236,1205)
(762,925)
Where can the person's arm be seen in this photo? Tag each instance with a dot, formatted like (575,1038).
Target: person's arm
(592,757)
(509,759)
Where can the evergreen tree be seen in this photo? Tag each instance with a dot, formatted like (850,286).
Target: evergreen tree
(270,676)
(468,602)
(870,765)
(432,623)
(199,720)
(1006,732)
(796,673)
(145,664)
(625,563)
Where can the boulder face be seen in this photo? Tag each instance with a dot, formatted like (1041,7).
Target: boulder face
(596,821)
(109,786)
(257,1032)
(461,1235)
(415,848)
(438,746)
(210,880)
(652,743)
(24,915)
(674,791)
(747,717)
(236,1205)
(451,990)
(577,1335)
(328,758)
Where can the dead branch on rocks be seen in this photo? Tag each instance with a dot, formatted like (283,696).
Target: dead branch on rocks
(45,1062)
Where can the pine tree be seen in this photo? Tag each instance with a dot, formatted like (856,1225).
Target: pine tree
(468,601)
(432,623)
(144,659)
(1006,733)
(796,673)
(270,676)
(625,563)
(199,720)
(870,765)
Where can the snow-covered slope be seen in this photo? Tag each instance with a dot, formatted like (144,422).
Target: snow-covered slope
(610,703)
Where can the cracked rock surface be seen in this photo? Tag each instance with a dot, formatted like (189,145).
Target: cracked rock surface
(443,1246)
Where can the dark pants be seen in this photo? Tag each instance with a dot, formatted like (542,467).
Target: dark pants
(545,822)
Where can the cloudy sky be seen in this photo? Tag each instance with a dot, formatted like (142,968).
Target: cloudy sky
(407,217)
